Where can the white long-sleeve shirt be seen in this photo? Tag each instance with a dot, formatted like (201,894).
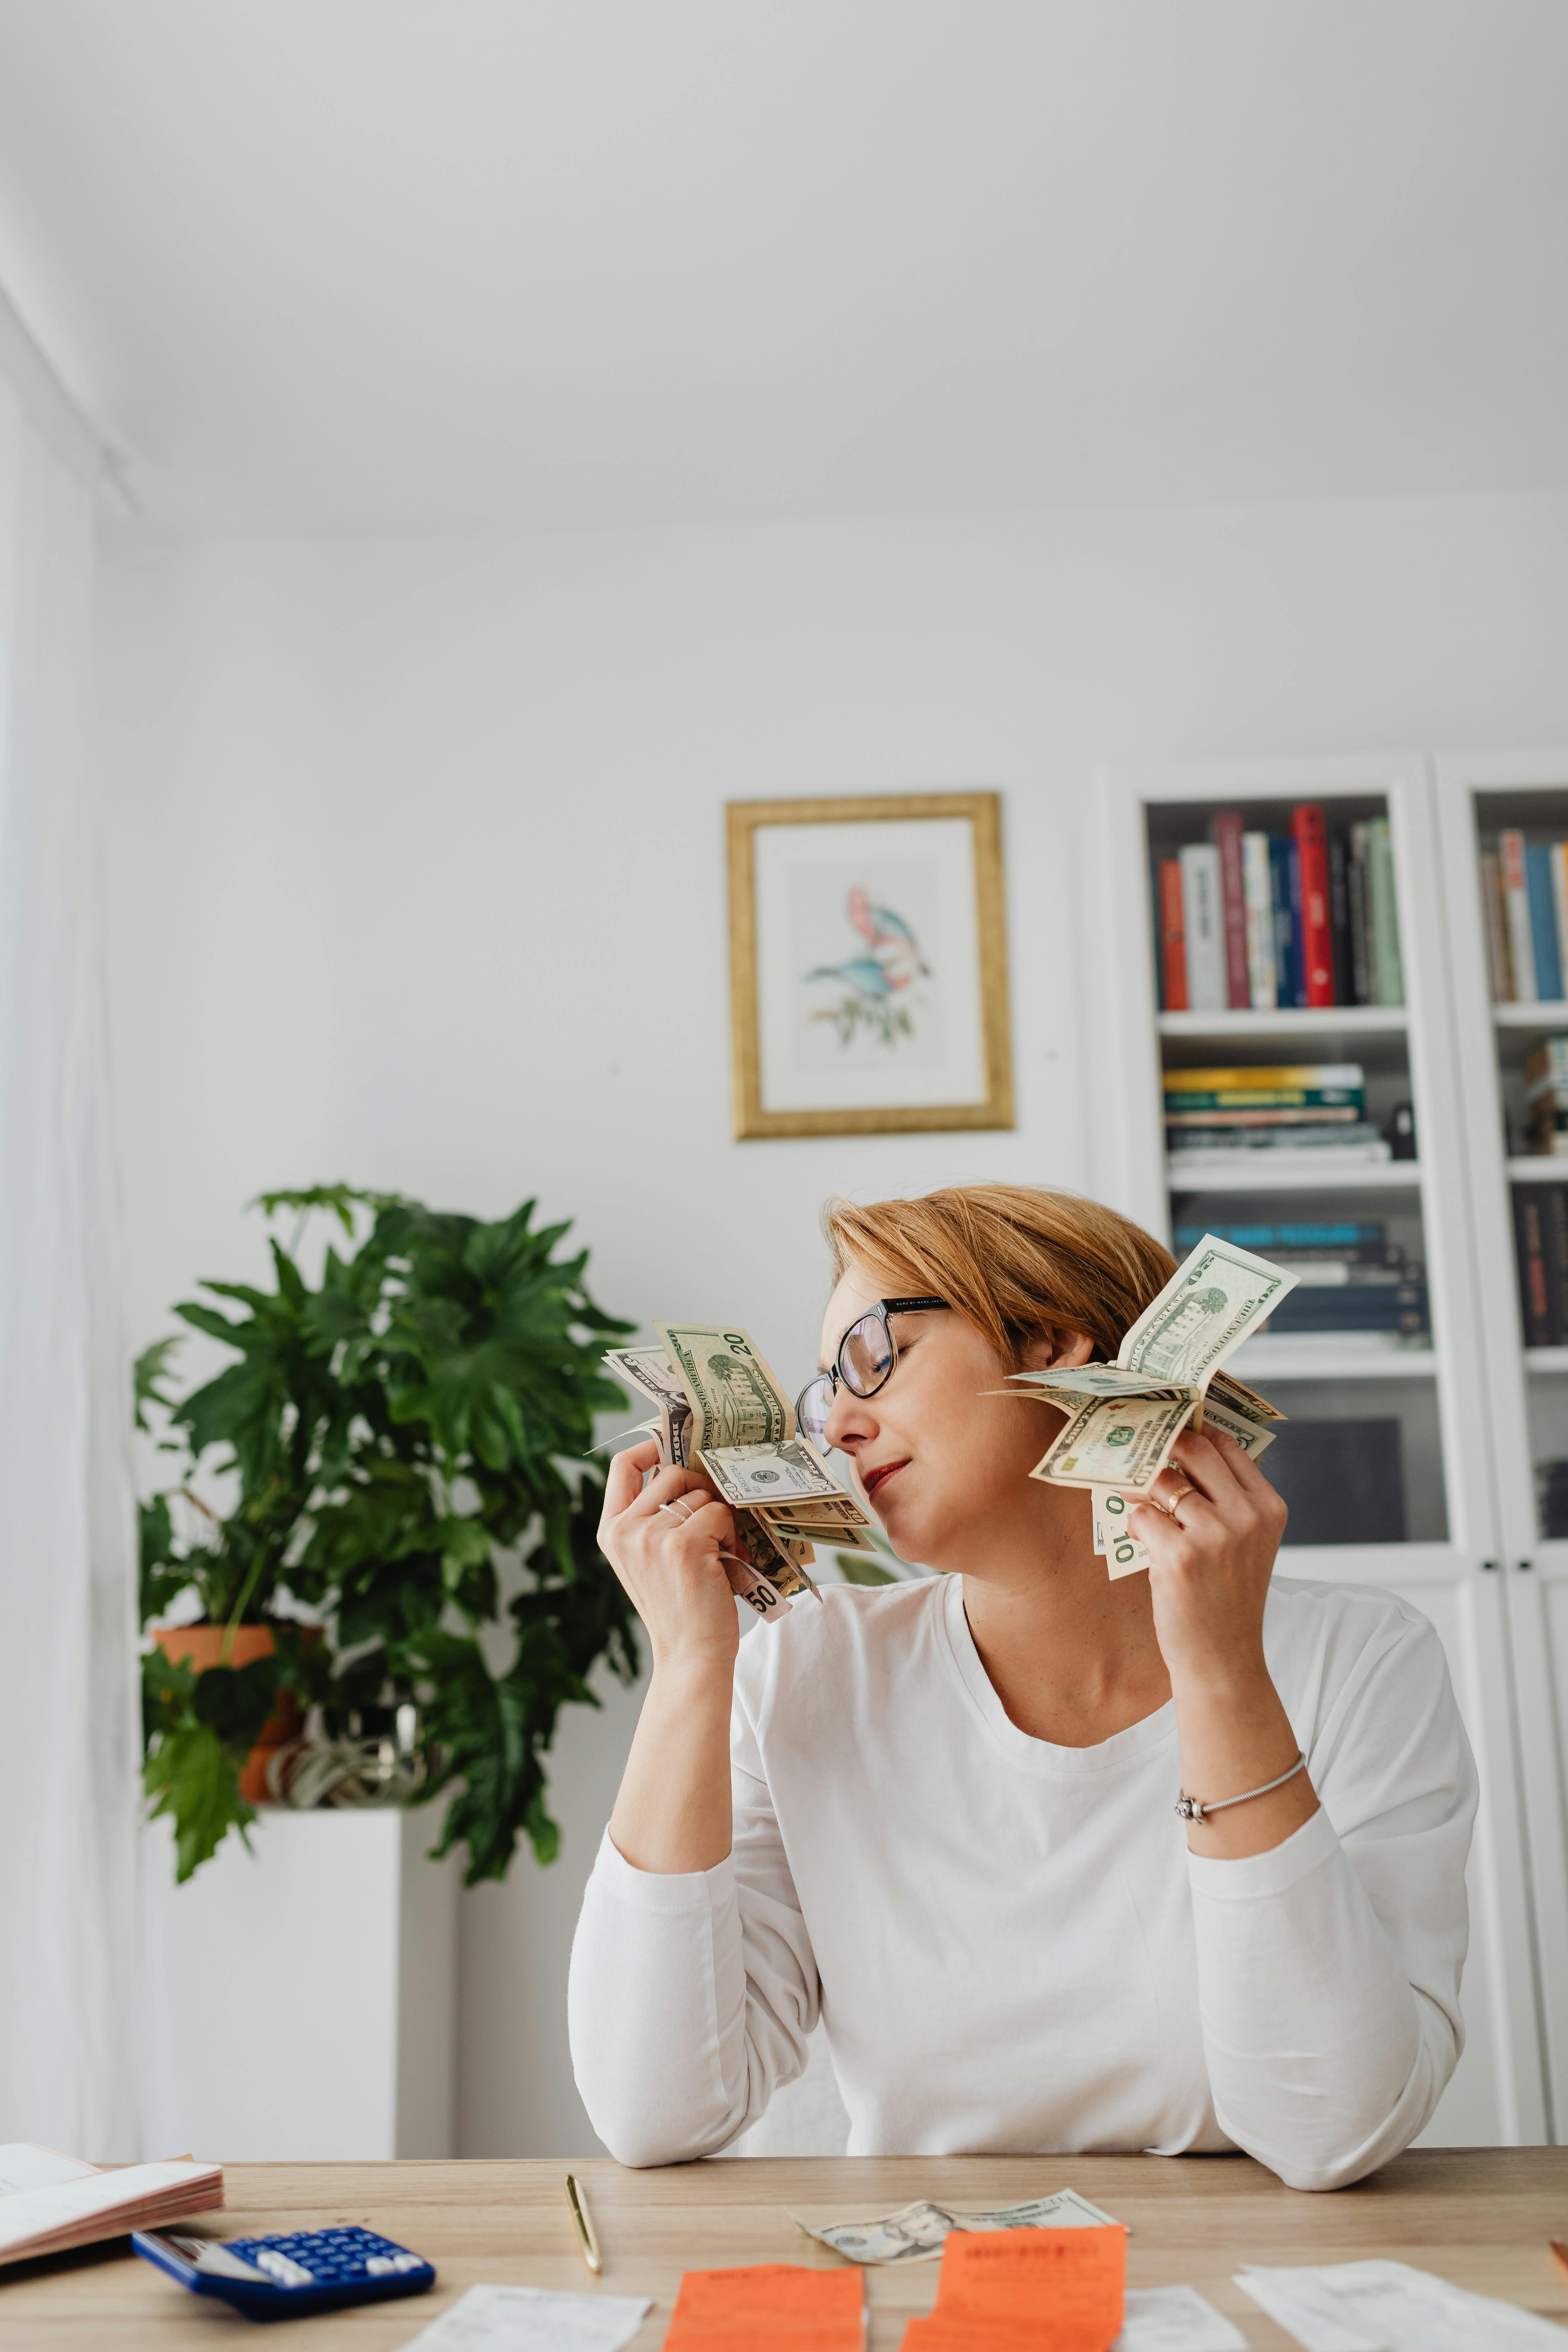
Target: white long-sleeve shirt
(1010,1946)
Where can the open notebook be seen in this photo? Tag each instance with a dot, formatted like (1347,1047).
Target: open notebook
(48,2202)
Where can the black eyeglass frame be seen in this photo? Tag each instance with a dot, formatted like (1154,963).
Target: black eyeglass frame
(835,1372)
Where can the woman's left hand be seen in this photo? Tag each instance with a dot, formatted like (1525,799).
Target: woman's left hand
(1209,1566)
(1211,1553)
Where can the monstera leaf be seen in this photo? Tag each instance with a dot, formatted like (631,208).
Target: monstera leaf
(382,1442)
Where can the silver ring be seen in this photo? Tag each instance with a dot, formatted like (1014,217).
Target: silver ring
(681,1507)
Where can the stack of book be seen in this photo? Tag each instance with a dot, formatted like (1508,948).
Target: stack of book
(1546,1091)
(1541,1238)
(1214,1115)
(1524,898)
(1253,922)
(1354,1287)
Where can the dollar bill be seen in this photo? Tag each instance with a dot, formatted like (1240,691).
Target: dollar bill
(650,1371)
(1124,1555)
(1127,1444)
(754,1477)
(711,1383)
(781,1565)
(1216,1297)
(846,1538)
(1124,1418)
(916,2232)
(734,1398)
(1110,1506)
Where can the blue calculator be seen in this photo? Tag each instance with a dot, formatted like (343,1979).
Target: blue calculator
(285,2277)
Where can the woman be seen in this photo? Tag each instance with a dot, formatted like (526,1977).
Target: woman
(940,1814)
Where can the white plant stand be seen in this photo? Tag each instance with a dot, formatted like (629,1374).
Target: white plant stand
(300,2001)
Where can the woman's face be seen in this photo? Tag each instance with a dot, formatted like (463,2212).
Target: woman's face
(941,1460)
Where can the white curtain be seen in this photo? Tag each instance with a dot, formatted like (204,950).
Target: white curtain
(69,2073)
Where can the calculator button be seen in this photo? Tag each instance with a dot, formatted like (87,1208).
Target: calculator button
(281,2266)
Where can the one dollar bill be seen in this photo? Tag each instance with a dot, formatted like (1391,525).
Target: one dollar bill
(916,2232)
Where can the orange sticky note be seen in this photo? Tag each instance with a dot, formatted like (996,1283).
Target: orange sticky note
(968,2331)
(1071,2280)
(781,2305)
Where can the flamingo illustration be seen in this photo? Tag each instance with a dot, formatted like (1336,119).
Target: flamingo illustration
(882,928)
(875,978)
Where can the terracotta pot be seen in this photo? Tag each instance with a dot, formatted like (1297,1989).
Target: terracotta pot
(204,1647)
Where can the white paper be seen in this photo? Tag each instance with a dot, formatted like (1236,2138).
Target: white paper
(25,2166)
(1174,2319)
(40,2212)
(527,2319)
(1392,2307)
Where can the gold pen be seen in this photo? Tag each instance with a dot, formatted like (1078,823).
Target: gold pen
(587,2244)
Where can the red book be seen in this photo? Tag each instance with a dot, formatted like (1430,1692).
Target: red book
(1227,831)
(1312,834)
(1172,936)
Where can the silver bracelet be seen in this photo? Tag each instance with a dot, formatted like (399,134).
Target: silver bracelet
(1193,1809)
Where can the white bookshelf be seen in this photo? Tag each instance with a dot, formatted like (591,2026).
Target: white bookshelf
(1315,1022)
(1276,1359)
(1526,1389)
(1531,1016)
(1281,1172)
(1449,1566)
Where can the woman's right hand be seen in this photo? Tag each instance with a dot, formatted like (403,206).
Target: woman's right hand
(671,1566)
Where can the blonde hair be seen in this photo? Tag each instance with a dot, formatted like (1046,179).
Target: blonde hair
(1013,1259)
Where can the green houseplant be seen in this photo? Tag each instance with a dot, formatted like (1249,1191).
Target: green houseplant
(394,1446)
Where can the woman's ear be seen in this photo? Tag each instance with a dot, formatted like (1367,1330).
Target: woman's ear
(1056,1347)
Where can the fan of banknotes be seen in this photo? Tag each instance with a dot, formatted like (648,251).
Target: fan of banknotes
(722,1411)
(1122,1419)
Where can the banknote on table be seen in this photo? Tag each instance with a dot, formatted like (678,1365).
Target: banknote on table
(722,1410)
(1124,1418)
(915,2233)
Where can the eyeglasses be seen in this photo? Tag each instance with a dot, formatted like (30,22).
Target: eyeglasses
(864,1363)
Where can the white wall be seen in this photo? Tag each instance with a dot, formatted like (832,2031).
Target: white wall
(415,878)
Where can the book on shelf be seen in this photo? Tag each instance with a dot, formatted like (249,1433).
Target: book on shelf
(1382,920)
(1301,1240)
(1312,837)
(1203,927)
(1398,1308)
(1233,909)
(1540,896)
(1258,889)
(1354,1144)
(1173,957)
(1259,921)
(1524,904)
(1541,1243)
(1323,1094)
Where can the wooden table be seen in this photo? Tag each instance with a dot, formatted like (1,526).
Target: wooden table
(1481,2217)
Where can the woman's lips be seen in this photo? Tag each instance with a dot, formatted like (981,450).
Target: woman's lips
(875,1480)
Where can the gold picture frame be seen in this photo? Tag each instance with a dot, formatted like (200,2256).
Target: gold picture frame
(874,1008)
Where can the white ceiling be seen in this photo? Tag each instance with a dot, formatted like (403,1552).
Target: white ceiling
(371,265)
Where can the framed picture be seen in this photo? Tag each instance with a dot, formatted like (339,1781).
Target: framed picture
(868,965)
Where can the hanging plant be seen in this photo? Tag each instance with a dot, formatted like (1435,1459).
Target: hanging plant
(383,1442)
